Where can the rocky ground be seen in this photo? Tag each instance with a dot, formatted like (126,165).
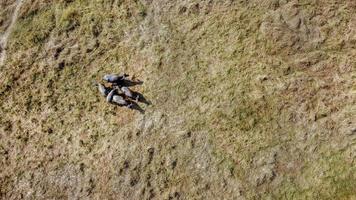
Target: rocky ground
(250,100)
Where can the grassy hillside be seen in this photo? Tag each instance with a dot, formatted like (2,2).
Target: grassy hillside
(250,100)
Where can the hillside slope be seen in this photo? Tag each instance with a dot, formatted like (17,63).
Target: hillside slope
(250,100)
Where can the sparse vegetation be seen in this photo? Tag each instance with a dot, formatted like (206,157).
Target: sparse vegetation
(251,100)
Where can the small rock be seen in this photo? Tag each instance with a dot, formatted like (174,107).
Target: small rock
(57,52)
(182,10)
(61,65)
(174,164)
(265,175)
(151,150)
(49,131)
(92,45)
(352,132)
(262,78)
(133,182)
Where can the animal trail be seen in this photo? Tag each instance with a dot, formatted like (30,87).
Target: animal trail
(4,38)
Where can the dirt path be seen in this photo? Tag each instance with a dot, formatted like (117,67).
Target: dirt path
(4,38)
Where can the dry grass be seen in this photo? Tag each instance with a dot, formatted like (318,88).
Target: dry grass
(251,100)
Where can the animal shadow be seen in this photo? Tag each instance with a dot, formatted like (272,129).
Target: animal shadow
(142,99)
(129,83)
(135,106)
